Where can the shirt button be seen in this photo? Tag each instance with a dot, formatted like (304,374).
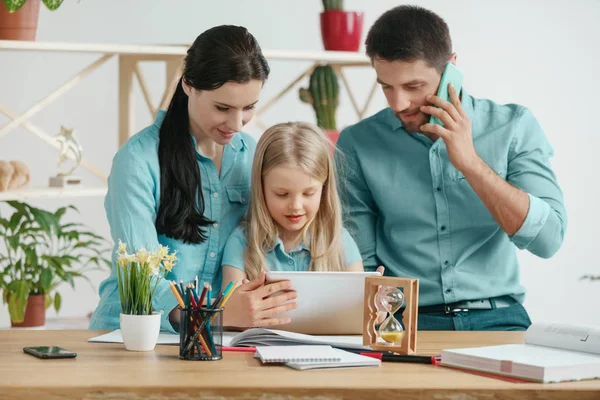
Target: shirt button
(212,255)
(446,262)
(215,225)
(291,262)
(439,189)
(215,194)
(443,227)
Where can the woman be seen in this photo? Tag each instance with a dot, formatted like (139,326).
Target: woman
(184,181)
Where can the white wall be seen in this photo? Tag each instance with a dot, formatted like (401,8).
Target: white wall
(541,54)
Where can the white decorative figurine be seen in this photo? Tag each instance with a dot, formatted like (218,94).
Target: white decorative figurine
(68,143)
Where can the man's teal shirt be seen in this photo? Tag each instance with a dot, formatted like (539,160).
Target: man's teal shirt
(410,210)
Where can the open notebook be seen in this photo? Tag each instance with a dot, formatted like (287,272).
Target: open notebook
(253,337)
(313,357)
(551,353)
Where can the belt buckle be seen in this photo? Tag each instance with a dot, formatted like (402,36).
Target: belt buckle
(450,310)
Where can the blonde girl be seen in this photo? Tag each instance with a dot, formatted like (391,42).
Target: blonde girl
(294,223)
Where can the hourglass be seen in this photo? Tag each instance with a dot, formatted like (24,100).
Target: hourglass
(391,294)
(391,330)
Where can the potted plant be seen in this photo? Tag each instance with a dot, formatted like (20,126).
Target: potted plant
(19,18)
(138,276)
(340,30)
(323,95)
(41,252)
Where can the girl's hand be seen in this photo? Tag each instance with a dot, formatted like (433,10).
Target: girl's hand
(255,304)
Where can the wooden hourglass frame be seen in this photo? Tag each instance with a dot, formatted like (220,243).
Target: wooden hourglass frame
(410,288)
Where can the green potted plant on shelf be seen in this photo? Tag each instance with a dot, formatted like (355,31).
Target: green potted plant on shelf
(340,30)
(323,94)
(41,252)
(19,18)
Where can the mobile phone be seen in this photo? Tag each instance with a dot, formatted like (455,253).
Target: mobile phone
(49,352)
(451,75)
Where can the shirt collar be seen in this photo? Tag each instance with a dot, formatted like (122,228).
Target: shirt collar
(302,246)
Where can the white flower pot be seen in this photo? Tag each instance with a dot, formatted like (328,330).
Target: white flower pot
(140,332)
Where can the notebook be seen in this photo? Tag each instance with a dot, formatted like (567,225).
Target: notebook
(282,354)
(347,360)
(551,353)
(274,337)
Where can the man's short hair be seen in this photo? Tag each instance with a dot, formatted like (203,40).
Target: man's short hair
(410,33)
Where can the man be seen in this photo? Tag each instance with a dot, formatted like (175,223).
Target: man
(448,204)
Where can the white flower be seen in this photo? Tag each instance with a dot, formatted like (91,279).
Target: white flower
(154,263)
(163,251)
(142,255)
(125,259)
(168,265)
(122,248)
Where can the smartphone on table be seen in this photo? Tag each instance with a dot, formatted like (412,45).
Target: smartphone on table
(451,75)
(47,352)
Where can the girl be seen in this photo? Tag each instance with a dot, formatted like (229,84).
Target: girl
(184,181)
(294,222)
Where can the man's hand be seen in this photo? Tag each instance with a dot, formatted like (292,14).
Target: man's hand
(255,304)
(456,132)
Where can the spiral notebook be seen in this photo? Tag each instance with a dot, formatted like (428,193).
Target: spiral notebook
(285,354)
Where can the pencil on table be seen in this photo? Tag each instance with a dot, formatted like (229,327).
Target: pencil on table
(176,294)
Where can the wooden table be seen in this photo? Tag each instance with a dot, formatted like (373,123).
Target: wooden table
(108,371)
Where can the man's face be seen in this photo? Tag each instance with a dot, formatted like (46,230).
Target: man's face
(405,85)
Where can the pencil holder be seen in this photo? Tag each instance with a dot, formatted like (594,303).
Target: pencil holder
(201,334)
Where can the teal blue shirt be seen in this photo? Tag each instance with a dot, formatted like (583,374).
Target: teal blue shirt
(132,204)
(277,259)
(413,212)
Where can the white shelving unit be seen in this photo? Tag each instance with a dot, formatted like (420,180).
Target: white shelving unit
(51,193)
(129,57)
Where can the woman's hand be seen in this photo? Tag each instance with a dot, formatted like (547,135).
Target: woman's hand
(255,304)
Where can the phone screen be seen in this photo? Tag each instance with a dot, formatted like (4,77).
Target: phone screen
(451,75)
(49,352)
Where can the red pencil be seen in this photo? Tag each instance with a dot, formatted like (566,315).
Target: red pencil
(239,349)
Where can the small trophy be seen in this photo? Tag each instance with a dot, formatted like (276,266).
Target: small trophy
(68,143)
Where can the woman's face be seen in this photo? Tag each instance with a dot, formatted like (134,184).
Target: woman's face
(220,113)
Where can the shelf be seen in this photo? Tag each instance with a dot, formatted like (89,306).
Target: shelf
(332,57)
(52,193)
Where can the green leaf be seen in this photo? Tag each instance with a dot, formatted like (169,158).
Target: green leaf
(17,302)
(4,222)
(57,301)
(45,279)
(47,301)
(15,220)
(13,241)
(47,221)
(52,4)
(14,5)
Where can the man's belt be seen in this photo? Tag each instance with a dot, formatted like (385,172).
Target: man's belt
(466,305)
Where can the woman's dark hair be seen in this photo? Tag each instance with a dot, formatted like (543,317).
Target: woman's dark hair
(219,55)
(410,33)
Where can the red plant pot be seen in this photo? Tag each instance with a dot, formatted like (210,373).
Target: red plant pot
(20,25)
(341,30)
(35,312)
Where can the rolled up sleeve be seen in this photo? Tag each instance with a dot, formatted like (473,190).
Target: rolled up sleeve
(529,169)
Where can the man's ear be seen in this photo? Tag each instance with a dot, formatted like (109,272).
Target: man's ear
(452,58)
(186,88)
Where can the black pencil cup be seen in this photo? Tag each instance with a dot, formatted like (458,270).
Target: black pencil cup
(201,334)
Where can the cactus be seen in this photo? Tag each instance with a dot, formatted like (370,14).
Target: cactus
(333,5)
(323,95)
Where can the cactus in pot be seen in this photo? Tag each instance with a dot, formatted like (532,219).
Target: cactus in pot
(323,95)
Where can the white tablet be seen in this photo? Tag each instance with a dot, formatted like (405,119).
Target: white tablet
(329,303)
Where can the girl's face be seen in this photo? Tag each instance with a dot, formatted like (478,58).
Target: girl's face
(219,114)
(292,197)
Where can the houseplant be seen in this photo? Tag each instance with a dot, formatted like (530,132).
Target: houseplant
(323,95)
(138,276)
(340,30)
(41,252)
(19,18)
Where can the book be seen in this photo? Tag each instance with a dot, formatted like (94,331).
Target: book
(117,337)
(551,353)
(303,353)
(347,360)
(274,337)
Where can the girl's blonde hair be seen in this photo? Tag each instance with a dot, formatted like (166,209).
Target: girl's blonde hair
(305,146)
